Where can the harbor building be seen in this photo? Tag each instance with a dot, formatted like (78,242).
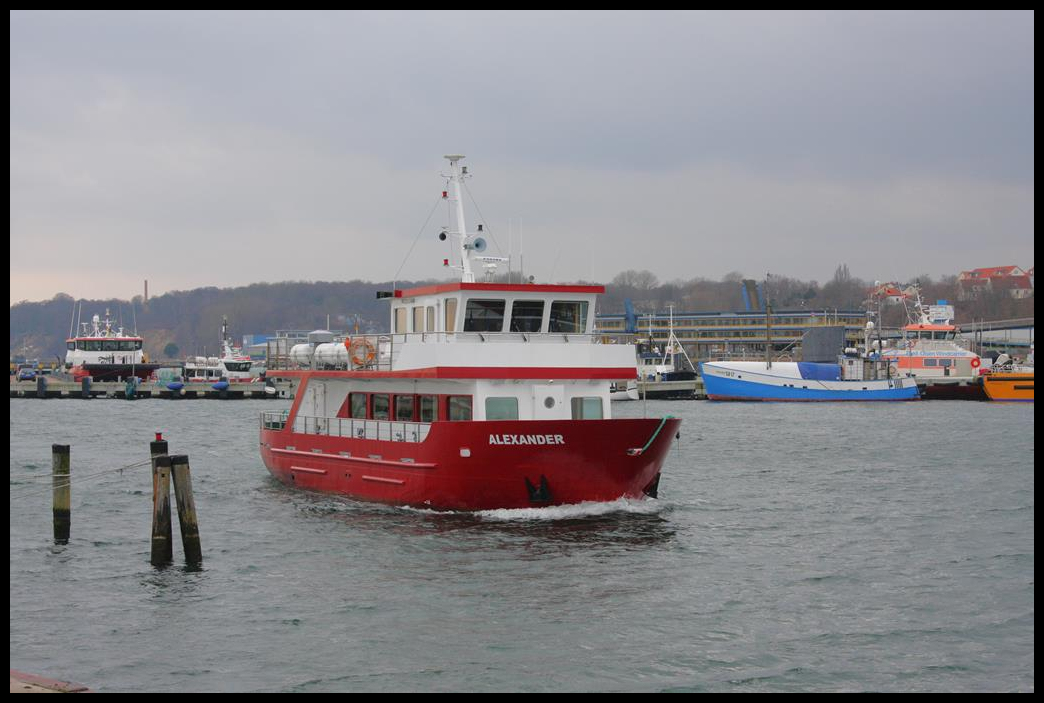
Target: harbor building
(736,335)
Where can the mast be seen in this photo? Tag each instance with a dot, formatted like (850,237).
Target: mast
(456,174)
(768,326)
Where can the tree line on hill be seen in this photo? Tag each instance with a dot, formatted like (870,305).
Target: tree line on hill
(183,323)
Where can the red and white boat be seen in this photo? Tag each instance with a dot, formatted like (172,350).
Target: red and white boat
(482,396)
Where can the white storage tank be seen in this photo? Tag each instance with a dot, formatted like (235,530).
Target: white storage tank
(301,354)
(331,354)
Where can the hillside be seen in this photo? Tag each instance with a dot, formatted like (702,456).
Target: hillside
(191,320)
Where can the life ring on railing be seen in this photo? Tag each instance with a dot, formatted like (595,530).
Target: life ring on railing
(975,362)
(362,351)
(348,343)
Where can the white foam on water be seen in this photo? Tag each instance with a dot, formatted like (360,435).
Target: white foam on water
(572,512)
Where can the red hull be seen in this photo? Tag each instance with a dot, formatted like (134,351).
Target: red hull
(481,465)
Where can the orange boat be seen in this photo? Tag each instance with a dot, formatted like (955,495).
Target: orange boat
(1009,385)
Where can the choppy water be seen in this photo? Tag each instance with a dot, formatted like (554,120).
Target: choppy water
(822,547)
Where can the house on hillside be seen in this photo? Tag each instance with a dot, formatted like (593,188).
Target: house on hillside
(891,293)
(1018,283)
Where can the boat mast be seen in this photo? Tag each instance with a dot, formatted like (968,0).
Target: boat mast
(456,174)
(768,326)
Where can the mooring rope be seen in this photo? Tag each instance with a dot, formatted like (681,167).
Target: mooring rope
(76,479)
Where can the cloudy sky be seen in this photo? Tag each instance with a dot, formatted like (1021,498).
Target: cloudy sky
(221,149)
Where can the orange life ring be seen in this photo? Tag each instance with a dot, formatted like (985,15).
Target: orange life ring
(348,343)
(975,363)
(362,351)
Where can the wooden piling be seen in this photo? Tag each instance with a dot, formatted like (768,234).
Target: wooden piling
(61,479)
(186,509)
(157,449)
(162,547)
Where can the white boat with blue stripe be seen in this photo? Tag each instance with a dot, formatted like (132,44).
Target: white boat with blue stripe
(853,378)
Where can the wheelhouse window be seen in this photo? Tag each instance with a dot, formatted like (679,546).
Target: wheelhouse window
(418,318)
(428,408)
(568,316)
(430,314)
(501,408)
(70,345)
(404,405)
(484,316)
(459,408)
(527,315)
(381,406)
(357,405)
(239,366)
(400,320)
(589,408)
(451,314)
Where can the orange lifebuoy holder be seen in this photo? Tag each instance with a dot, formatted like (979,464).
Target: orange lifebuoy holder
(362,351)
(975,362)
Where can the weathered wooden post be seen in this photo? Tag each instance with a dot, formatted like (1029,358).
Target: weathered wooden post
(186,509)
(162,539)
(61,479)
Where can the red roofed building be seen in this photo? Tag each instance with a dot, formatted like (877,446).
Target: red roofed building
(1017,282)
(889,293)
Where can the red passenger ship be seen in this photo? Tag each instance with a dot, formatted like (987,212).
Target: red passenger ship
(482,396)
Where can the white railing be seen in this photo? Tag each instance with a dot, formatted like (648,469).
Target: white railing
(378,352)
(384,430)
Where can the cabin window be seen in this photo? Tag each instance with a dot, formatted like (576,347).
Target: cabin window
(400,320)
(70,345)
(526,315)
(484,316)
(404,405)
(501,408)
(428,412)
(589,408)
(946,362)
(357,405)
(431,318)
(380,406)
(451,314)
(110,345)
(568,316)
(930,362)
(418,318)
(459,407)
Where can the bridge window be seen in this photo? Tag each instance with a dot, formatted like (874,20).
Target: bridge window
(484,316)
(527,315)
(400,320)
(418,318)
(451,314)
(568,316)
(501,408)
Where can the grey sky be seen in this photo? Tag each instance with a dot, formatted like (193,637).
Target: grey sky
(221,149)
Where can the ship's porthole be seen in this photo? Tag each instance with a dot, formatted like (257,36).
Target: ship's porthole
(549,402)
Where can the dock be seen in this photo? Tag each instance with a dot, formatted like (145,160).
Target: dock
(680,390)
(56,388)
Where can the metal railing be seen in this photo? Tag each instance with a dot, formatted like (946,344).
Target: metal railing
(383,430)
(378,352)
